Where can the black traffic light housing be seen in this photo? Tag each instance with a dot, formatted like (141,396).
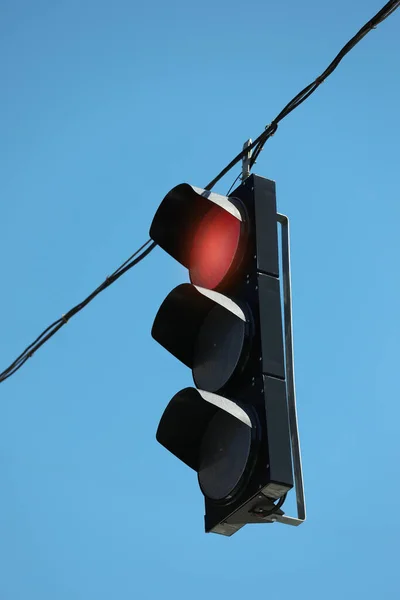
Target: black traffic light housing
(226,325)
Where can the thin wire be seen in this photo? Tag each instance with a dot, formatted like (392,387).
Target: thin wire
(259,142)
(233,184)
(136,257)
(276,506)
(131,257)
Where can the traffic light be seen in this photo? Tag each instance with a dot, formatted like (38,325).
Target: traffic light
(233,427)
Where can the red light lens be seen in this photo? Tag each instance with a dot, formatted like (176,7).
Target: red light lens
(214,247)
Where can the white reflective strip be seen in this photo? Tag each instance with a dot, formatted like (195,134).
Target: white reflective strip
(221,201)
(227,405)
(222,301)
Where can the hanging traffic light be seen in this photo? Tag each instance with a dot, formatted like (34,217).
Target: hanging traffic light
(226,326)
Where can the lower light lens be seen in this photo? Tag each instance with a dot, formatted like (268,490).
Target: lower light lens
(214,248)
(224,455)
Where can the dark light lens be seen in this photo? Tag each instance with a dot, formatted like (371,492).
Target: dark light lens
(214,247)
(218,350)
(224,455)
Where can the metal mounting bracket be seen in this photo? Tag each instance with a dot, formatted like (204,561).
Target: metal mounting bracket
(291,393)
(246,161)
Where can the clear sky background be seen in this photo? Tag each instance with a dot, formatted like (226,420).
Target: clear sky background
(104,106)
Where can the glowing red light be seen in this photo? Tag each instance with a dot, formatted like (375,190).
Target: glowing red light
(213,248)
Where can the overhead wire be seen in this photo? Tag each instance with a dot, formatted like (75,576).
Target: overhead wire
(270,129)
(132,261)
(256,146)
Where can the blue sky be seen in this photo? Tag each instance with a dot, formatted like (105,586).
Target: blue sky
(104,107)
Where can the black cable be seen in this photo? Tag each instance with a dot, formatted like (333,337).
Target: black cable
(131,257)
(54,327)
(276,507)
(259,142)
(233,184)
(380,16)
